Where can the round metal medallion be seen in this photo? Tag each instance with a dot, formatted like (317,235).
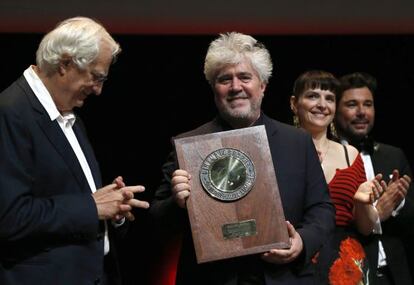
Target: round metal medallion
(227,174)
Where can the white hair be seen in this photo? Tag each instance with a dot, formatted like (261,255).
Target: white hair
(78,39)
(233,48)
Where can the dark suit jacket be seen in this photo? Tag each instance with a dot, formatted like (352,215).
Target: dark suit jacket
(385,159)
(49,228)
(305,200)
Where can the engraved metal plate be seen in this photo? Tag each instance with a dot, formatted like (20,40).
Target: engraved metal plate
(227,174)
(240,229)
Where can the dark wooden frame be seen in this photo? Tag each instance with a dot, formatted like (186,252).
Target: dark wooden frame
(262,204)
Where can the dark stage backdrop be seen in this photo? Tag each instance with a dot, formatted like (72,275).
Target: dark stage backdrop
(157,89)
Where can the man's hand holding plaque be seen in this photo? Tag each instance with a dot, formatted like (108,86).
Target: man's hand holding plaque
(181,187)
(282,256)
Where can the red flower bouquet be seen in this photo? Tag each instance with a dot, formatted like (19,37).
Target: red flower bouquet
(348,267)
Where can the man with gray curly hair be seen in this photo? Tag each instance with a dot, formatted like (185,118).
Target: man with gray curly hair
(57,222)
(238,69)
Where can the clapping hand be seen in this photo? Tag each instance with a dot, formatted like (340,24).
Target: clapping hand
(370,191)
(394,193)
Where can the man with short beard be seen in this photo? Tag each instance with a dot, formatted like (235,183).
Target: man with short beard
(354,121)
(238,68)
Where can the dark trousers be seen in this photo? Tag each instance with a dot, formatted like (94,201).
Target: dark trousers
(107,278)
(384,276)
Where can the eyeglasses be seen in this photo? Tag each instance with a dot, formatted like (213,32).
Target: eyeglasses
(98,78)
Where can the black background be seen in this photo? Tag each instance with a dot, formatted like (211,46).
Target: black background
(157,89)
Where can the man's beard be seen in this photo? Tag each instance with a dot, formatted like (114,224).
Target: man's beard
(351,135)
(241,118)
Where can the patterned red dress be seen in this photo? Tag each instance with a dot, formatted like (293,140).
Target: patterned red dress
(341,260)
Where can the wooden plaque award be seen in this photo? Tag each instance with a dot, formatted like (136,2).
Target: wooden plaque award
(234,207)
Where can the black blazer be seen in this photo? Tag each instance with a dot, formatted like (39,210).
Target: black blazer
(49,228)
(385,159)
(305,200)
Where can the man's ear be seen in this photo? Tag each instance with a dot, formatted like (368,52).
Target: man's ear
(263,87)
(64,64)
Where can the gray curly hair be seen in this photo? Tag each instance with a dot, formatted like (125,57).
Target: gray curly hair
(233,48)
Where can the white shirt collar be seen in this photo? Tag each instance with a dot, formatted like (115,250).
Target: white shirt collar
(45,98)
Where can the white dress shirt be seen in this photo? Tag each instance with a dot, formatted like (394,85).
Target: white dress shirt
(369,173)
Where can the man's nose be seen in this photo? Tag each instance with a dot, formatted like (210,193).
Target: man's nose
(236,84)
(361,111)
(97,89)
